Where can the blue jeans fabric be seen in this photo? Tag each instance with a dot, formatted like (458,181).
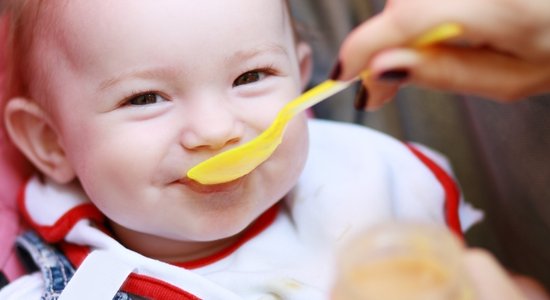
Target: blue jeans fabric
(54,266)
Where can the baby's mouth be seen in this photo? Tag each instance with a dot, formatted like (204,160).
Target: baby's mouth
(211,188)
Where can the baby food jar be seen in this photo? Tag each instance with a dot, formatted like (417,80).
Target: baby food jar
(402,261)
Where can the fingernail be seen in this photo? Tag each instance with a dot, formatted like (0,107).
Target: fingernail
(395,75)
(361,98)
(336,71)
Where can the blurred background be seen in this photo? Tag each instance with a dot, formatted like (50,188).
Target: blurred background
(500,153)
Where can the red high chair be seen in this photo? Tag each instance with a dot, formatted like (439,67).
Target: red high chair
(13,171)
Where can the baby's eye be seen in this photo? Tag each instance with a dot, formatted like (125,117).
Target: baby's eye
(145,99)
(250,77)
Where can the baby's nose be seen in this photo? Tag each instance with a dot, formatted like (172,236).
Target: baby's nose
(213,129)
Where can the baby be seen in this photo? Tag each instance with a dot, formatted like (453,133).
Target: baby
(113,101)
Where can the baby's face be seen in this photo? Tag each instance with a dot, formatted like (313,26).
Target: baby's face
(145,89)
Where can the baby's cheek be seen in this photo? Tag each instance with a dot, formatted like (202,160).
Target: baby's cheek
(101,168)
(295,145)
(298,134)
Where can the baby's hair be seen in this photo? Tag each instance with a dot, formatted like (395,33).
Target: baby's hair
(15,46)
(25,21)
(18,43)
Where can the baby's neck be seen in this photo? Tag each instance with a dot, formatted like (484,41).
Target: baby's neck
(168,250)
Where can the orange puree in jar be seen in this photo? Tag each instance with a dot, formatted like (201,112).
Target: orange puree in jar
(402,262)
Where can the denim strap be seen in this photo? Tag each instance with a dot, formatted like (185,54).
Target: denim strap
(54,266)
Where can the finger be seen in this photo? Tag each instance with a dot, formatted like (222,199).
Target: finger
(399,26)
(488,279)
(529,287)
(380,93)
(481,72)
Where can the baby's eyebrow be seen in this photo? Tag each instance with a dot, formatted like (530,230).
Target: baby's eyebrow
(140,74)
(251,52)
(167,72)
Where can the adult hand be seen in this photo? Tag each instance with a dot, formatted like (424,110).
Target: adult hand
(490,281)
(503,53)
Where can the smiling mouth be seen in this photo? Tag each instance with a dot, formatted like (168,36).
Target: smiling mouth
(211,188)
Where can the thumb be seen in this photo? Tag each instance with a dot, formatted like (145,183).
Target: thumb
(482,72)
(488,279)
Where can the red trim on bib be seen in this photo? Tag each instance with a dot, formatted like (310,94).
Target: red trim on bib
(57,232)
(263,221)
(76,253)
(452,193)
(151,288)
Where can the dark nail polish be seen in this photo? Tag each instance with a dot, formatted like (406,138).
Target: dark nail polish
(394,75)
(336,71)
(361,98)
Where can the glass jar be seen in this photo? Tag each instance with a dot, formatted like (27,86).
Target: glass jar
(402,261)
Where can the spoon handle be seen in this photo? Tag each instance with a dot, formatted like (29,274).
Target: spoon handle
(315,95)
(330,87)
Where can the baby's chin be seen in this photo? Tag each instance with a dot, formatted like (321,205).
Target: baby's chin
(154,241)
(209,229)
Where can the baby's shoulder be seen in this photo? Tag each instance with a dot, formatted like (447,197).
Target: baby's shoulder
(356,177)
(360,150)
(347,136)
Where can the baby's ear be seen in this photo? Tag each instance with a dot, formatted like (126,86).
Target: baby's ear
(30,130)
(303,51)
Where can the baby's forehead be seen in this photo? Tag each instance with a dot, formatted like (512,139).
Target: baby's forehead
(76,16)
(81,25)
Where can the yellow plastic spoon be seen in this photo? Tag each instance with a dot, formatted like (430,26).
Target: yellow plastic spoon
(241,160)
